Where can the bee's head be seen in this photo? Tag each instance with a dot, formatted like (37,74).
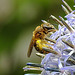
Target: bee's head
(38,33)
(48,27)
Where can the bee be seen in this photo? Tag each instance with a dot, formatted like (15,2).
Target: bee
(38,38)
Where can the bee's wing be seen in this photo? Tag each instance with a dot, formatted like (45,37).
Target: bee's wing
(30,47)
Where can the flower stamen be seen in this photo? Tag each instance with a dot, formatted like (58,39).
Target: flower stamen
(68,26)
(68,7)
(65,9)
(58,21)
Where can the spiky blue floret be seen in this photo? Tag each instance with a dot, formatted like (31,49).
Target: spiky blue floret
(60,62)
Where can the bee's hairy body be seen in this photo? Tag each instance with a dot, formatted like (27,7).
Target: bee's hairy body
(38,46)
(38,39)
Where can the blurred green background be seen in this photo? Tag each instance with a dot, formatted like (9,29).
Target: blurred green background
(18,19)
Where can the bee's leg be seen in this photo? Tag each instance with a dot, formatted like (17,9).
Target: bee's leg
(51,40)
(46,42)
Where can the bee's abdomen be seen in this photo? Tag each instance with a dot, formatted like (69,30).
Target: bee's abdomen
(40,50)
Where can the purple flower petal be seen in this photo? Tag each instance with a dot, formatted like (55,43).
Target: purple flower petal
(69,68)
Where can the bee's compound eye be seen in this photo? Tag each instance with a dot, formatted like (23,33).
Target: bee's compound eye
(49,28)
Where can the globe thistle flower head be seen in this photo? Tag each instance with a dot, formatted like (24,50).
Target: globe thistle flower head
(63,43)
